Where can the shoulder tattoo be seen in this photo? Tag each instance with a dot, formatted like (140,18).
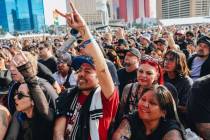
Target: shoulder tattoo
(172,135)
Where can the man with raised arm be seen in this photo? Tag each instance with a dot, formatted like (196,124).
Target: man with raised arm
(85,112)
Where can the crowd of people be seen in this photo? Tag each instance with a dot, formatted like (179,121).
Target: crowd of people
(115,85)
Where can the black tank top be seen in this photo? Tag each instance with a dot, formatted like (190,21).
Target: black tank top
(138,131)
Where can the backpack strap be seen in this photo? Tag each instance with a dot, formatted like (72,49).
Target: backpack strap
(66,84)
(128,97)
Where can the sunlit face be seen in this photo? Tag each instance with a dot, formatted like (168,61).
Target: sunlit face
(157,54)
(130,59)
(131,42)
(169,63)
(143,41)
(161,46)
(149,108)
(87,78)
(203,50)
(179,37)
(43,51)
(23,102)
(188,37)
(16,75)
(147,75)
(62,67)
(2,63)
(108,38)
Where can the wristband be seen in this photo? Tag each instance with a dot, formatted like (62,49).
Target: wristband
(85,43)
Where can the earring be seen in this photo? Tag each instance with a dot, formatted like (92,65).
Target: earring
(32,103)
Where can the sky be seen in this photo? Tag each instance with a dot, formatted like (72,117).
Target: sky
(51,5)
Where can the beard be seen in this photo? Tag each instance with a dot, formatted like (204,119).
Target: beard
(201,53)
(127,64)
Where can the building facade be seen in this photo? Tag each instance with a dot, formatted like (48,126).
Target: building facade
(131,10)
(13,17)
(89,10)
(182,8)
(7,14)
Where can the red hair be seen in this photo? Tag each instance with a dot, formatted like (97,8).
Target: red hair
(158,69)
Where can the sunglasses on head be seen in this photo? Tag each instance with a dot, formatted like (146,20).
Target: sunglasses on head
(21,95)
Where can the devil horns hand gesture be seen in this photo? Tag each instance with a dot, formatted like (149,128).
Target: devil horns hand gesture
(74,19)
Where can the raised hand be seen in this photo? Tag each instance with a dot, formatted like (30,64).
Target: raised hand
(74,19)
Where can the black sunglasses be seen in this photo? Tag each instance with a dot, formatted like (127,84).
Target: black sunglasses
(21,95)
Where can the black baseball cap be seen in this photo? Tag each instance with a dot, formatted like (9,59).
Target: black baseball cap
(134,51)
(204,39)
(162,41)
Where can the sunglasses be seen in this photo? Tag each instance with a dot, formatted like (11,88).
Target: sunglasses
(21,95)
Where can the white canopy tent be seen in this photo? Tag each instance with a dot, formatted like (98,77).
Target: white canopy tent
(33,35)
(7,36)
(185,21)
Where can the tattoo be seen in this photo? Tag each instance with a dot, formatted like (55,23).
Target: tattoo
(125,130)
(3,118)
(204,130)
(172,135)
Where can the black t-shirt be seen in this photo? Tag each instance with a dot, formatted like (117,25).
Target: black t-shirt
(199,101)
(36,128)
(183,86)
(126,78)
(138,129)
(45,73)
(50,63)
(5,79)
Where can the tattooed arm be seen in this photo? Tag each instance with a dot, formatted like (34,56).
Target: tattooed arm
(172,135)
(123,132)
(204,130)
(4,121)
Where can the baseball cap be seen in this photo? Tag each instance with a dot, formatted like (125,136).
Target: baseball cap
(135,52)
(190,33)
(204,39)
(146,36)
(180,32)
(122,42)
(162,41)
(79,60)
